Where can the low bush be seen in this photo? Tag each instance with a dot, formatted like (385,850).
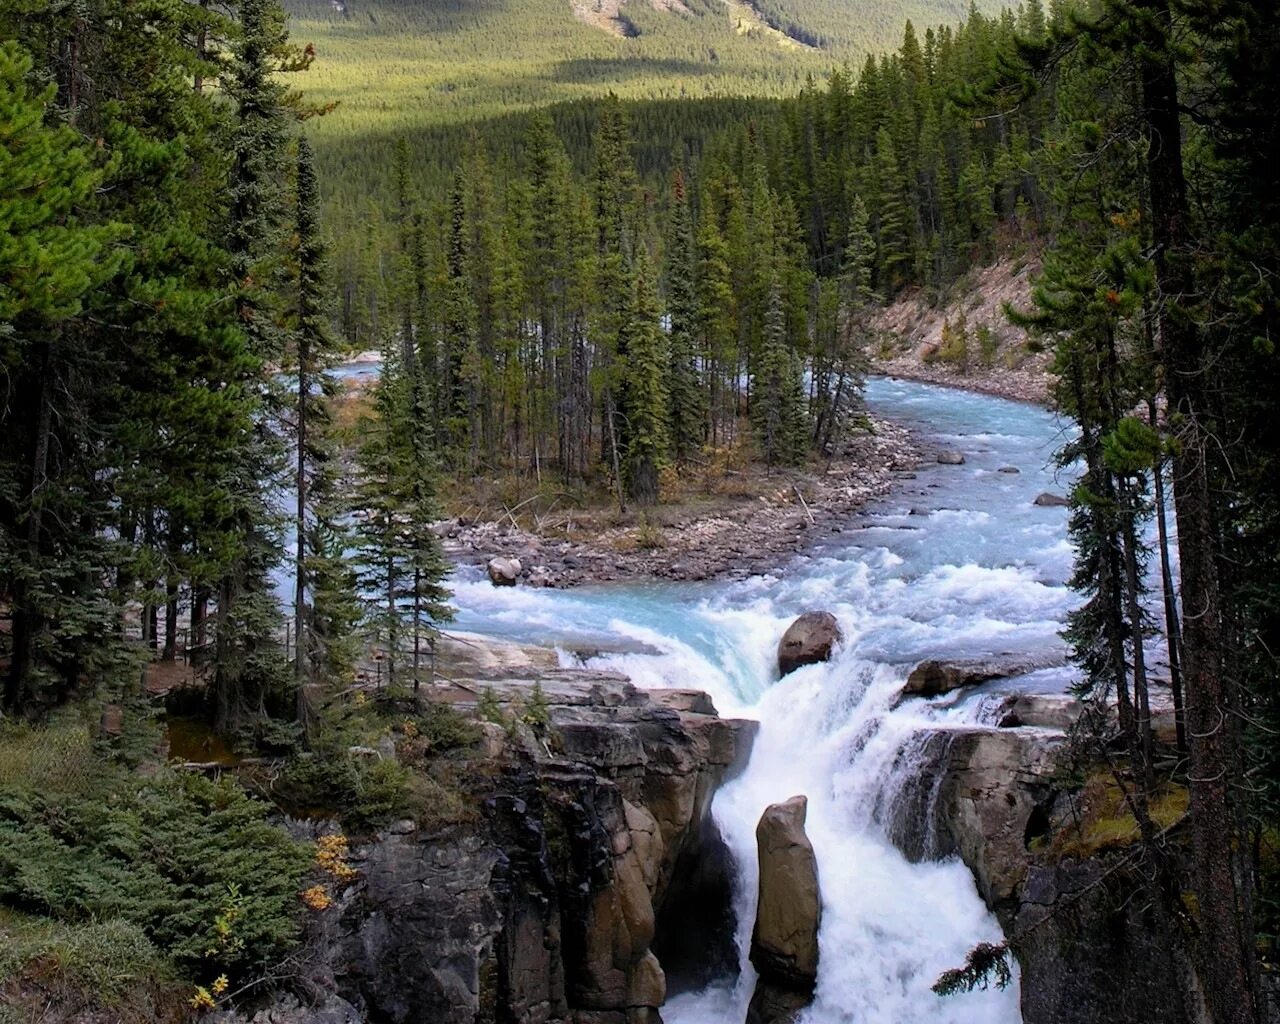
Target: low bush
(192,865)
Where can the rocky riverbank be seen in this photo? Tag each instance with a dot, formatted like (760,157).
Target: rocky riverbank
(1019,384)
(967,341)
(720,540)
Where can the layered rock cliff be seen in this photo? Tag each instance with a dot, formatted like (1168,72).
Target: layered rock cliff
(1071,892)
(548,907)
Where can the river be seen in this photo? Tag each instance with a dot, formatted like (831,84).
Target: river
(958,562)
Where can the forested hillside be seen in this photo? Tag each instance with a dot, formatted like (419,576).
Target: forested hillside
(434,74)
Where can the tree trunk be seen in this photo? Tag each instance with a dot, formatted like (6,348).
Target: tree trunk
(1133,604)
(1219,874)
(27,621)
(300,528)
(1172,630)
(170,652)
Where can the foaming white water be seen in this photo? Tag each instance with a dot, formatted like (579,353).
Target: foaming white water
(959,563)
(889,927)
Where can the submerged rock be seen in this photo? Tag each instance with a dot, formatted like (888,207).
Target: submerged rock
(784,942)
(808,641)
(503,572)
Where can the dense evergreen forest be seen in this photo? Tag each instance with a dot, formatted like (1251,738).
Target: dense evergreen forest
(552,307)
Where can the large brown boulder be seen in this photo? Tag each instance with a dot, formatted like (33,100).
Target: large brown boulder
(503,572)
(807,641)
(784,943)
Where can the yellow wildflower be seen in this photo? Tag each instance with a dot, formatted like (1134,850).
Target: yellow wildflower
(331,853)
(220,985)
(202,1000)
(317,898)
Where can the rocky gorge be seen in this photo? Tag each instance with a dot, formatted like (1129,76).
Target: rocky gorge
(592,880)
(548,906)
(626,859)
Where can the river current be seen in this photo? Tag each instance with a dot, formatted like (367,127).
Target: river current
(958,562)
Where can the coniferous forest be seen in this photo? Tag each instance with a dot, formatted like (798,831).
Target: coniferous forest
(603,296)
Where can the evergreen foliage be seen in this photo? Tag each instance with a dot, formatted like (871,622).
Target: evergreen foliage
(194,864)
(399,558)
(546,305)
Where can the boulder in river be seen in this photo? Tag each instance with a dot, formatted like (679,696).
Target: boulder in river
(951,458)
(1009,469)
(503,572)
(1050,500)
(784,942)
(933,677)
(807,641)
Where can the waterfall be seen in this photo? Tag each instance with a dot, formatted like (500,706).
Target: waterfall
(959,563)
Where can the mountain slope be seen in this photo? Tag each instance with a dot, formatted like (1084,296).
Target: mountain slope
(395,65)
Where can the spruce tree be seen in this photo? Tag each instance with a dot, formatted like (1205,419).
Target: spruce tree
(777,395)
(686,405)
(247,655)
(323,585)
(643,390)
(400,561)
(51,260)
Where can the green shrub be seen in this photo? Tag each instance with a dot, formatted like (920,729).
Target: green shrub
(445,728)
(490,710)
(537,712)
(986,345)
(54,758)
(365,792)
(193,864)
(955,343)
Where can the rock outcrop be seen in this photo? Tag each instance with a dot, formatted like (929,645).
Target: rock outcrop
(933,677)
(1088,951)
(545,909)
(503,572)
(784,942)
(808,641)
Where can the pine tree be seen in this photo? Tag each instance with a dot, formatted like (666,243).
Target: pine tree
(50,261)
(401,565)
(643,390)
(684,387)
(777,392)
(613,207)
(247,656)
(716,329)
(323,585)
